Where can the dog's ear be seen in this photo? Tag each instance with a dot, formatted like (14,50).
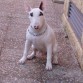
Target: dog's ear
(41,7)
(27,7)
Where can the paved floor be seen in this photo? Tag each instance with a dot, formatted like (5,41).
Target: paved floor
(13,24)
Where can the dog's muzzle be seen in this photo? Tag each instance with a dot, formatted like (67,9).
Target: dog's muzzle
(35,27)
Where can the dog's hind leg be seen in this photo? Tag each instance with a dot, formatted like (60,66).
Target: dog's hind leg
(55,58)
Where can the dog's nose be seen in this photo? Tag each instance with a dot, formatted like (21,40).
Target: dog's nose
(36,27)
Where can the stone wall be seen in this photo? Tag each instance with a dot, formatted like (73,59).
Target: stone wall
(70,32)
(82,6)
(79,4)
(58,1)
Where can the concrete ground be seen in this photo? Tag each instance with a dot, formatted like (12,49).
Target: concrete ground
(13,24)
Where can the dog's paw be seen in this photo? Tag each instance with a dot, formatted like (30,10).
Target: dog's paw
(22,61)
(49,66)
(30,57)
(55,60)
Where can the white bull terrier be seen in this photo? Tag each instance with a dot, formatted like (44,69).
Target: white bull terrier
(40,37)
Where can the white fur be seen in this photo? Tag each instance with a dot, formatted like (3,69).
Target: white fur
(46,42)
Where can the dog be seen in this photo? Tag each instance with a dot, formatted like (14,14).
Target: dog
(41,37)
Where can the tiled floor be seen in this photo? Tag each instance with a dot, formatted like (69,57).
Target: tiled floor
(13,24)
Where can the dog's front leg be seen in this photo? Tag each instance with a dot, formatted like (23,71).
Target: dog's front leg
(26,50)
(49,58)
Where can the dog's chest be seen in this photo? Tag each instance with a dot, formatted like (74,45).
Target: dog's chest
(38,43)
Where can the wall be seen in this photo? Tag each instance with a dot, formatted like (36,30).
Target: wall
(79,4)
(73,38)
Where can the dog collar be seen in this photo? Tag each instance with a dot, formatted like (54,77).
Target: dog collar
(38,34)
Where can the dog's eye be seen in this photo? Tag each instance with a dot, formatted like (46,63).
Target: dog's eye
(41,14)
(31,14)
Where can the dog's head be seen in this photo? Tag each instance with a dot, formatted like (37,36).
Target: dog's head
(36,16)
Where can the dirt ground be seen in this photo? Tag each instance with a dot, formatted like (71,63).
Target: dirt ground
(13,24)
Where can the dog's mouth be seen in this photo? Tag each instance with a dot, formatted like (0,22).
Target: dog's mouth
(35,27)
